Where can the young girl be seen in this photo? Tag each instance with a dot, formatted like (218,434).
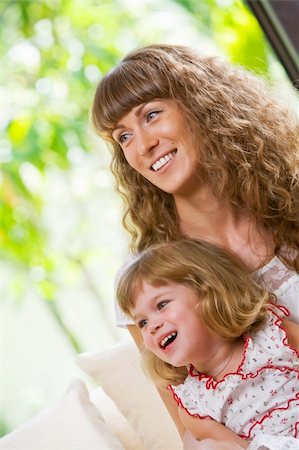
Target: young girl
(217,340)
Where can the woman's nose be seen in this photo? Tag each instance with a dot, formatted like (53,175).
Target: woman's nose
(146,142)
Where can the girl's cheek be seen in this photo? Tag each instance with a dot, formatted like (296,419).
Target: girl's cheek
(148,343)
(145,340)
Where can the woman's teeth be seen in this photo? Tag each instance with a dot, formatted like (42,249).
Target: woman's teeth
(162,161)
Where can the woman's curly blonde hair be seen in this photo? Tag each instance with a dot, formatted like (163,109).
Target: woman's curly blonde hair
(248,143)
(229,300)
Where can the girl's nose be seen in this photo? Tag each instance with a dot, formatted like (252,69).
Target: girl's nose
(155,326)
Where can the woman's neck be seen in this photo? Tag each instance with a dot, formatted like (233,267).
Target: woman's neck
(205,217)
(202,214)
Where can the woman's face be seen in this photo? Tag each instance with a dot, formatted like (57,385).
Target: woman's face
(157,143)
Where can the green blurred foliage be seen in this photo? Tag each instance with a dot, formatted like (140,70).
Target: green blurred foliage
(4,428)
(234,29)
(52,54)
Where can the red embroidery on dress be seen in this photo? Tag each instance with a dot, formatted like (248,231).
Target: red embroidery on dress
(268,415)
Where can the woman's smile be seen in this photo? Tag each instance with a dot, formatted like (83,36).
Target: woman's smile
(156,142)
(164,160)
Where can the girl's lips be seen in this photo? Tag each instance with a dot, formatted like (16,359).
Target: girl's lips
(167,339)
(169,347)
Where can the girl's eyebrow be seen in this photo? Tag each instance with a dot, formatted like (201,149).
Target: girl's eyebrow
(152,300)
(135,317)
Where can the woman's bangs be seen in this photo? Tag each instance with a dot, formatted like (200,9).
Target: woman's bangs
(124,88)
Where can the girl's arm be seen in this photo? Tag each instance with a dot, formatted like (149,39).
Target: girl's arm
(165,395)
(209,429)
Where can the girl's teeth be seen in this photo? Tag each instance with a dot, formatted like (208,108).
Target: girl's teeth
(163,342)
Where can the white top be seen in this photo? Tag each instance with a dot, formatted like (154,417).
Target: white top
(121,319)
(261,397)
(275,276)
(283,282)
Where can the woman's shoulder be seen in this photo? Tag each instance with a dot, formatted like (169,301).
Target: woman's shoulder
(282,281)
(275,274)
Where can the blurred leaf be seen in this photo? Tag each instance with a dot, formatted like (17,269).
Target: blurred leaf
(238,33)
(235,30)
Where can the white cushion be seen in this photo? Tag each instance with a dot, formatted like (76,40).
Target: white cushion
(115,421)
(73,423)
(119,373)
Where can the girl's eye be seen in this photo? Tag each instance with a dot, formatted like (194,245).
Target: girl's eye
(151,115)
(142,323)
(161,304)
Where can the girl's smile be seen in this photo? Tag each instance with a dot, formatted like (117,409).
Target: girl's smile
(168,317)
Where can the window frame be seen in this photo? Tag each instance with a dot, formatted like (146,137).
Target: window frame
(279,19)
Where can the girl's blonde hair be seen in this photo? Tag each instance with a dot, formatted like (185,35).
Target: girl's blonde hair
(230,302)
(247,143)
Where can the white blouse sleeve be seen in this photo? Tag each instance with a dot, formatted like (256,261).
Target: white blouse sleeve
(288,295)
(121,320)
(283,282)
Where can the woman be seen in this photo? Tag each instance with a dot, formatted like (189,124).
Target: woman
(200,149)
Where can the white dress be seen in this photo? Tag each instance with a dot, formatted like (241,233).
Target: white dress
(261,397)
(284,283)
(275,276)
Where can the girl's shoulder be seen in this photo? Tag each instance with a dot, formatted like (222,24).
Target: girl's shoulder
(269,347)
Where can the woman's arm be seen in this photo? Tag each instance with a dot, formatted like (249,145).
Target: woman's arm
(209,429)
(208,444)
(165,395)
(292,330)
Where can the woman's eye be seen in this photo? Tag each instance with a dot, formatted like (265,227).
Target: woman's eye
(149,116)
(142,323)
(123,138)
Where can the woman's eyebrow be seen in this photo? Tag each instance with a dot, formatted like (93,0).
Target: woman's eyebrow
(137,111)
(117,127)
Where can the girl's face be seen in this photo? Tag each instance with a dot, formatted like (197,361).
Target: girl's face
(157,143)
(169,320)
